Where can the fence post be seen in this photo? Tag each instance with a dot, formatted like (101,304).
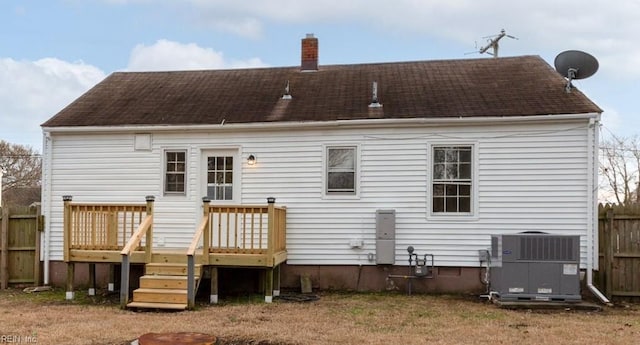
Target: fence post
(4,253)
(608,252)
(149,236)
(67,226)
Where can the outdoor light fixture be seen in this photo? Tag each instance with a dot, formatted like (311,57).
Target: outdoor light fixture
(251,160)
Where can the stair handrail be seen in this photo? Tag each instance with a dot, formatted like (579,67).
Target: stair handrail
(202,231)
(144,229)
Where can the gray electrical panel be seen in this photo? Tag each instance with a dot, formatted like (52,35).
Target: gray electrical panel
(535,267)
(385,237)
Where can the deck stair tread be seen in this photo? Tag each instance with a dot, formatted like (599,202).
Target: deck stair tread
(164,286)
(167,277)
(169,269)
(150,305)
(165,291)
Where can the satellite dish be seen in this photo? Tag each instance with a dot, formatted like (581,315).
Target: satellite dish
(575,64)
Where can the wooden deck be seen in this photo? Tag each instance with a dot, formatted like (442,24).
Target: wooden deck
(247,236)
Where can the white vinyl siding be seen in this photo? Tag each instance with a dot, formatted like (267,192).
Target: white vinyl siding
(527,177)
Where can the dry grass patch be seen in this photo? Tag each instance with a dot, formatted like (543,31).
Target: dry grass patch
(334,319)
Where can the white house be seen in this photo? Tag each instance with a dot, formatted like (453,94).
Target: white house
(459,149)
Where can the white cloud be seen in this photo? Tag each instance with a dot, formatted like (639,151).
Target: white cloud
(33,91)
(168,55)
(545,27)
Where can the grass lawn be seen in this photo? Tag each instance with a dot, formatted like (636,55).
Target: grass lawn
(336,318)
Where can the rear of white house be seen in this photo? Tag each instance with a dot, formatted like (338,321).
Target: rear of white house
(525,175)
(460,150)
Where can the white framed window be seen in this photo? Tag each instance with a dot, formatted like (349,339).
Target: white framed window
(175,172)
(452,180)
(341,170)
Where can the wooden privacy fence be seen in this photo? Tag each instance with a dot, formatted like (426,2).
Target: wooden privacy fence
(19,246)
(619,247)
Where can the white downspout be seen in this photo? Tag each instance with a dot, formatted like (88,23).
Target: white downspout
(46,202)
(592,182)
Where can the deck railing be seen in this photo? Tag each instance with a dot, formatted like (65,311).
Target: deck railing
(235,229)
(100,226)
(246,229)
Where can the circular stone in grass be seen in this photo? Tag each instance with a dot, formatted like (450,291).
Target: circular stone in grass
(181,338)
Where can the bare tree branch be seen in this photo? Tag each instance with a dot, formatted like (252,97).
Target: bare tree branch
(619,167)
(22,168)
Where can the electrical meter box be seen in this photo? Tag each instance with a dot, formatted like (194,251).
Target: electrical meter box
(535,267)
(385,237)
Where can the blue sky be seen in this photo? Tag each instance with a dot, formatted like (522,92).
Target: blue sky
(53,51)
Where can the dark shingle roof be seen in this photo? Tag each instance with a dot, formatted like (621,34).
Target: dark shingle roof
(515,86)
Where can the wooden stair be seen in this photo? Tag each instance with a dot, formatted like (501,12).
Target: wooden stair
(164,286)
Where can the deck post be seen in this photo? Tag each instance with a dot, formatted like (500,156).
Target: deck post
(70,275)
(213,297)
(124,281)
(67,226)
(276,281)
(149,236)
(206,236)
(268,285)
(191,282)
(112,278)
(271,228)
(92,280)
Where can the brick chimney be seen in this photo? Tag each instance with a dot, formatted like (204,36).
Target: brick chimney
(309,53)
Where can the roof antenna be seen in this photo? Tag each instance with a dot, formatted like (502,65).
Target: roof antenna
(287,94)
(575,64)
(493,43)
(374,96)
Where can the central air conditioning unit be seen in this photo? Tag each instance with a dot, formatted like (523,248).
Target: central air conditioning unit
(535,267)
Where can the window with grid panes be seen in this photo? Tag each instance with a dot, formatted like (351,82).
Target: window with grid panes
(451,179)
(175,172)
(220,177)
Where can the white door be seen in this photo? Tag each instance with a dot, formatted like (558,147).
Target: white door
(221,184)
(221,176)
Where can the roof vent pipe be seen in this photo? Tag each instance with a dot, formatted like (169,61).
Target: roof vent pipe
(374,96)
(287,91)
(309,54)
